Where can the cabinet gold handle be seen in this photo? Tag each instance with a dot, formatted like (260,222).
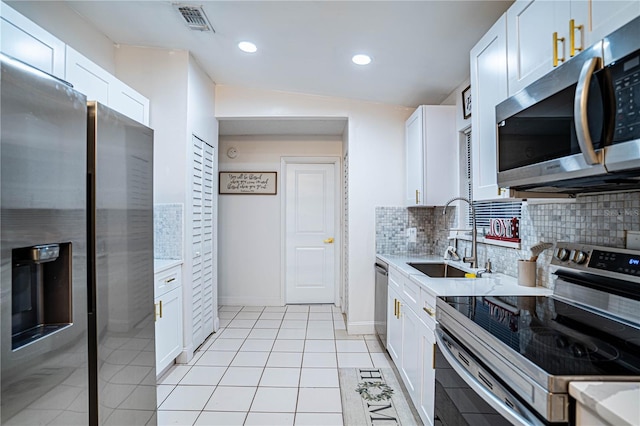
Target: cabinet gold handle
(395,308)
(161,309)
(417,196)
(572,37)
(433,362)
(155,311)
(399,305)
(556,58)
(430,311)
(329,240)
(169,280)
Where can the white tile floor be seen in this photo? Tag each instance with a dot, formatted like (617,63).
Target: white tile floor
(267,366)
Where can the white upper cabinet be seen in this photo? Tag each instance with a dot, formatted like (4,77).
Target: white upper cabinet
(29,43)
(543,34)
(99,85)
(488,60)
(432,152)
(530,29)
(87,77)
(599,18)
(129,102)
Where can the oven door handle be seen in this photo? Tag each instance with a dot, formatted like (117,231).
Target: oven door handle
(500,406)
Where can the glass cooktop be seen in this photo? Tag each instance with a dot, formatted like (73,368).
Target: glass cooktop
(560,338)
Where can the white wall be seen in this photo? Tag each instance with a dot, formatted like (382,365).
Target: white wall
(249,226)
(182,101)
(376,171)
(161,76)
(455,98)
(60,20)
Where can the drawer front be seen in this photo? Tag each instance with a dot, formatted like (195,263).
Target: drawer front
(411,294)
(168,280)
(395,279)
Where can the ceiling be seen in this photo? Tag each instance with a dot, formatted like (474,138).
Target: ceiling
(282,126)
(420,49)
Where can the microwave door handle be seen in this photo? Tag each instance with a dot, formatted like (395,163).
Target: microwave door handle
(580,111)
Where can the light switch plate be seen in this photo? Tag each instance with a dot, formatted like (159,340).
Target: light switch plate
(632,240)
(412,234)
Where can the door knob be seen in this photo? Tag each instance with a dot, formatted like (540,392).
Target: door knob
(329,240)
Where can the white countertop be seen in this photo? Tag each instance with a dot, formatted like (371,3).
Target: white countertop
(160,265)
(616,403)
(489,284)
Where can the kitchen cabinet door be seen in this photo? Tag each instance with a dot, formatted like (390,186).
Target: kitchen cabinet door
(97,84)
(26,41)
(431,156)
(488,60)
(168,328)
(531,24)
(426,402)
(394,327)
(410,355)
(127,101)
(599,18)
(87,77)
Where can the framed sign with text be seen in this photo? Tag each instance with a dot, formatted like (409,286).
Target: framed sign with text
(248,183)
(466,102)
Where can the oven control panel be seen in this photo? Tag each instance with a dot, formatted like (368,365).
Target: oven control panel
(596,259)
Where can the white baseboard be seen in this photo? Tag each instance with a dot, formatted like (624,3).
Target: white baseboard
(249,301)
(185,356)
(361,327)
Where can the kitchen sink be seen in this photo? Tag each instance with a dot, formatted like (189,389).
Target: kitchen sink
(438,270)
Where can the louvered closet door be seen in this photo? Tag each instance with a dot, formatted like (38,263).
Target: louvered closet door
(202,240)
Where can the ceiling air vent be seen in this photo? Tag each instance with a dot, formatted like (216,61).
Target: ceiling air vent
(194,17)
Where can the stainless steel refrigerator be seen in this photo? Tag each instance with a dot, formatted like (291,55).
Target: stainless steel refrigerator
(76,257)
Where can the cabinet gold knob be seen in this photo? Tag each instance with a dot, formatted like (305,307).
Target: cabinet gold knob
(572,37)
(329,241)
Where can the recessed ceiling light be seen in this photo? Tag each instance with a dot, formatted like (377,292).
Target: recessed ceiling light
(361,59)
(247,46)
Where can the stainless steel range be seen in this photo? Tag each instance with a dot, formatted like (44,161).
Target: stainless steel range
(510,359)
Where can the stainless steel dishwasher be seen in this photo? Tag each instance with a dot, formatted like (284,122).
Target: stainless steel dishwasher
(380,310)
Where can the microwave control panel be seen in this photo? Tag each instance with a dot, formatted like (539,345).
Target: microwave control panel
(626,84)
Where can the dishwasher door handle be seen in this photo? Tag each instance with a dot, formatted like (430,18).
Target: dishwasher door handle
(381,270)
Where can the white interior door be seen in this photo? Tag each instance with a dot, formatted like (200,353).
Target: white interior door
(310,234)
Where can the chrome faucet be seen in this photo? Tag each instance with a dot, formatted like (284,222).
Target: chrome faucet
(474,238)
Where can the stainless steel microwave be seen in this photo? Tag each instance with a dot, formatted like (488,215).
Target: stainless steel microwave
(577,129)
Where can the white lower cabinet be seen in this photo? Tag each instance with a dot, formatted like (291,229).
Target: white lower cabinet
(394,326)
(411,344)
(168,328)
(168,305)
(409,367)
(425,403)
